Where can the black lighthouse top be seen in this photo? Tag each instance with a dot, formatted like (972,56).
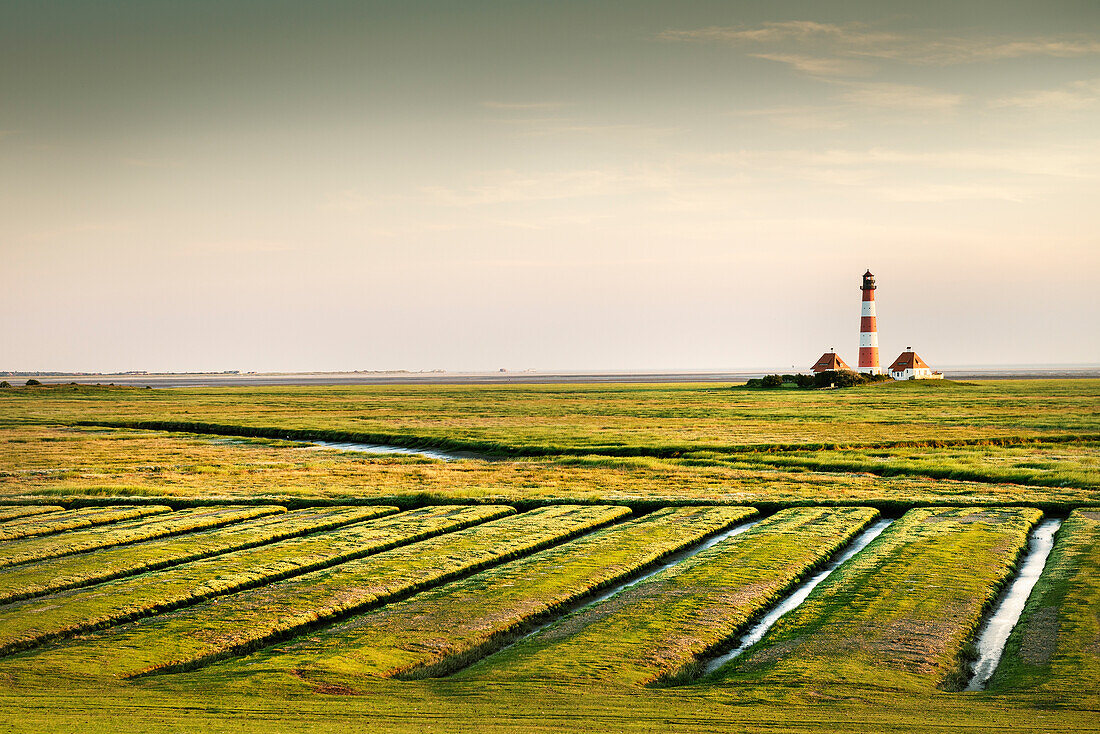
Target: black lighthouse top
(868,281)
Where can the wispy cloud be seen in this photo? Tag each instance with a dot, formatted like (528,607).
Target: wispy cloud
(501,187)
(906,97)
(792,30)
(498,105)
(151,163)
(826,49)
(244,246)
(939,192)
(348,200)
(553,118)
(711,181)
(573,126)
(78,231)
(827,66)
(1028,162)
(909,176)
(964,50)
(802,117)
(862,101)
(1079,95)
(545,125)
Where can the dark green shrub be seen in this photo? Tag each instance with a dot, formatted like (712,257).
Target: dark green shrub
(837,378)
(772,381)
(33,382)
(846,378)
(4,384)
(804,380)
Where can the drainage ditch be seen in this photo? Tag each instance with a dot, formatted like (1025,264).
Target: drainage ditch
(795,598)
(378,448)
(994,636)
(670,561)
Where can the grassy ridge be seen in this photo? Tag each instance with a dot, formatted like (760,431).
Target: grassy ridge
(389,707)
(1046,464)
(444,628)
(28,623)
(606,418)
(57,522)
(1053,653)
(15,512)
(903,613)
(661,629)
(26,550)
(248,620)
(498,449)
(94,467)
(68,572)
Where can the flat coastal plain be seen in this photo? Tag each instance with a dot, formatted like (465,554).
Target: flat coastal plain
(196,559)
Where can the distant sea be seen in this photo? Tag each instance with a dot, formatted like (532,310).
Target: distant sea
(192,379)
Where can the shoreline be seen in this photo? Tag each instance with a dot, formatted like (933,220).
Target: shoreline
(488,378)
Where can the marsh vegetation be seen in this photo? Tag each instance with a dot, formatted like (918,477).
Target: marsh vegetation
(236,567)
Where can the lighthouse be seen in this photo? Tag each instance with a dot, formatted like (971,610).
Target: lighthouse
(868,329)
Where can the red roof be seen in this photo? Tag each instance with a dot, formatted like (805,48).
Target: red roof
(908,361)
(830,361)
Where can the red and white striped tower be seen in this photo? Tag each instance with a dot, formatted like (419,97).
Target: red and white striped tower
(868,329)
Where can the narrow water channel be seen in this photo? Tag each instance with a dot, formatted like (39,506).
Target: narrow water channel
(378,448)
(673,560)
(796,597)
(994,636)
(670,561)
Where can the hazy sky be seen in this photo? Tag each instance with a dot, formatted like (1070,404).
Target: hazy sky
(470,185)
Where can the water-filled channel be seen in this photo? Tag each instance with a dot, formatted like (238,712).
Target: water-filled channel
(672,560)
(796,597)
(377,448)
(994,636)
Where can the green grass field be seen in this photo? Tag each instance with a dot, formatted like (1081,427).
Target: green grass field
(85,569)
(444,628)
(31,622)
(1056,465)
(246,620)
(661,629)
(38,548)
(148,590)
(652,420)
(94,465)
(56,522)
(903,612)
(14,512)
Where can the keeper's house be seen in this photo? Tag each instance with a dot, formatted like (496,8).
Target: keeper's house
(830,361)
(909,366)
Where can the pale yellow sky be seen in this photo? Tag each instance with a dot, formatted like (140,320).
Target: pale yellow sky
(698,185)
